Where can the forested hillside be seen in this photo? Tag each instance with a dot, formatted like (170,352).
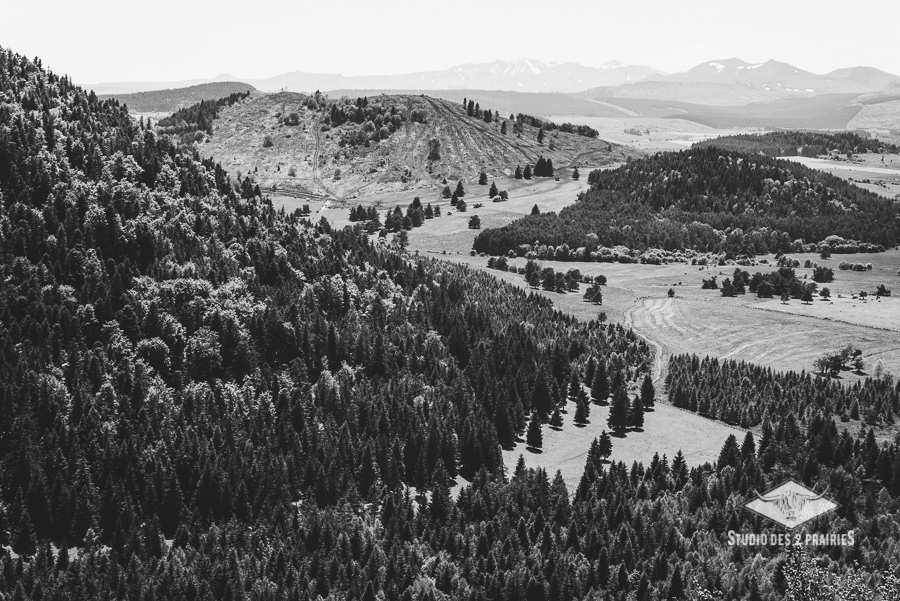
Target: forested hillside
(710,200)
(169,101)
(204,398)
(799,143)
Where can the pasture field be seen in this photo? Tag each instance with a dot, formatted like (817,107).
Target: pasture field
(666,430)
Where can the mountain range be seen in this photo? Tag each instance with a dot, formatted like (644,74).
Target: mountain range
(737,81)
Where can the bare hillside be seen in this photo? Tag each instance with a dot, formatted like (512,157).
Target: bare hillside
(294,145)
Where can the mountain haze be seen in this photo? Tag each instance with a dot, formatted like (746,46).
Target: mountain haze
(523,75)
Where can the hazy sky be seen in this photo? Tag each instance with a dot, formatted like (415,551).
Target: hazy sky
(103,40)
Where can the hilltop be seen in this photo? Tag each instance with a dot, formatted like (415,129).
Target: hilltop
(302,145)
(707,199)
(170,100)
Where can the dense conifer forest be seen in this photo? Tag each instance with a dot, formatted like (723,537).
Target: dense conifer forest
(799,143)
(707,199)
(204,398)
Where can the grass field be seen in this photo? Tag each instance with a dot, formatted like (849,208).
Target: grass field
(666,430)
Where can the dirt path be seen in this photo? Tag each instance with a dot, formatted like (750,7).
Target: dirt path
(661,352)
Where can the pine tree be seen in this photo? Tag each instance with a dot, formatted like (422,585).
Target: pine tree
(648,392)
(541,396)
(604,445)
(527,172)
(575,174)
(574,385)
(636,414)
(470,108)
(600,385)
(676,586)
(540,136)
(460,192)
(482,179)
(493,191)
(535,210)
(618,411)
(518,172)
(556,419)
(534,438)
(581,413)
(503,128)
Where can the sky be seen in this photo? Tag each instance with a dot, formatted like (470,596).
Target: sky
(97,41)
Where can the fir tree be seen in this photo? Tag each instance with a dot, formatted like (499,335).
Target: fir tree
(493,191)
(648,392)
(636,414)
(556,419)
(460,192)
(604,445)
(618,411)
(600,385)
(534,438)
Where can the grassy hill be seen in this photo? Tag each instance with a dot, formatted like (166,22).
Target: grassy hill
(169,101)
(294,144)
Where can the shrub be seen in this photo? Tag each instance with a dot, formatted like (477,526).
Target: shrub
(267,142)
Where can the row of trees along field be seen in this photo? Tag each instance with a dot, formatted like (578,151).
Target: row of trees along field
(473,109)
(204,398)
(709,200)
(799,143)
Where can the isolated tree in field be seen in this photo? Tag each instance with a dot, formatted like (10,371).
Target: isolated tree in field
(534,438)
(671,293)
(575,174)
(482,179)
(600,384)
(437,210)
(604,445)
(535,210)
(648,392)
(556,419)
(429,212)
(581,412)
(594,294)
(540,136)
(807,295)
(454,200)
(474,222)
(618,410)
(527,172)
(493,191)
(461,206)
(636,414)
(446,193)
(518,171)
(503,128)
(460,191)
(825,253)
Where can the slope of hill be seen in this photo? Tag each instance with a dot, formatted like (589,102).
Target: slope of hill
(706,199)
(798,143)
(169,101)
(867,77)
(387,148)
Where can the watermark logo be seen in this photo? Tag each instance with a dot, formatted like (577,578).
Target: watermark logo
(791,504)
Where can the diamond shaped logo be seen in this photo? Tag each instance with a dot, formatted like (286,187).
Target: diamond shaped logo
(791,504)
